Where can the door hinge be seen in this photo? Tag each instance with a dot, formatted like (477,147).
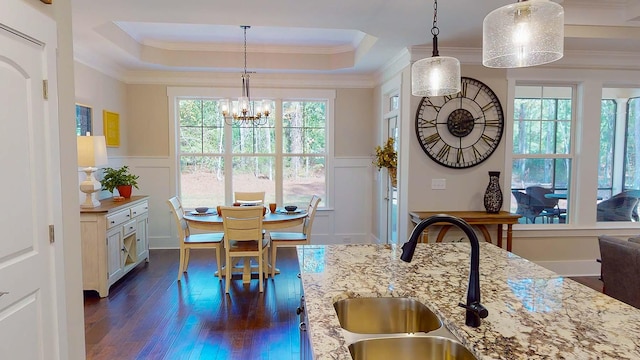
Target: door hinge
(45,89)
(52,234)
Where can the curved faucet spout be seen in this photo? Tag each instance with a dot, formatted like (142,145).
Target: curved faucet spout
(475,310)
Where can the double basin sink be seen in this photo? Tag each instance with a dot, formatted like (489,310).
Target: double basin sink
(396,328)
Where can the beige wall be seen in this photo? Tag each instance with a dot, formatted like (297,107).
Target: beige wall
(148,110)
(354,123)
(102,92)
(465,187)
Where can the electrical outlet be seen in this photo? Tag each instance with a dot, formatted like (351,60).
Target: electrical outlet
(438,184)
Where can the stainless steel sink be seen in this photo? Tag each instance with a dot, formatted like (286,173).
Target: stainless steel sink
(410,347)
(385,315)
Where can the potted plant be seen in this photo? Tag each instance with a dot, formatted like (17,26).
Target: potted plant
(387,157)
(120,179)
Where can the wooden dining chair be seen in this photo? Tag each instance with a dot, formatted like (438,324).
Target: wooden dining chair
(243,238)
(190,241)
(241,197)
(284,239)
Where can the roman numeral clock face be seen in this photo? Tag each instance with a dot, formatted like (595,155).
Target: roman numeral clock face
(461,130)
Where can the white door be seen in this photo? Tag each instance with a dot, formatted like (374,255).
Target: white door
(27,275)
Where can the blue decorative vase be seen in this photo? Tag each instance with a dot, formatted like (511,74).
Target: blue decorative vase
(493,194)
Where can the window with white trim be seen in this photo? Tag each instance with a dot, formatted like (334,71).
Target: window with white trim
(287,157)
(542,152)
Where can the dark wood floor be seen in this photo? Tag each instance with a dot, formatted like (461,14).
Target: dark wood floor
(149,315)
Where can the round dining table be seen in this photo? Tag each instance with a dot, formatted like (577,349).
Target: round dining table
(271,221)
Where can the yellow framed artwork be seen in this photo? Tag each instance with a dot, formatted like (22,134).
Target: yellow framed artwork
(111,122)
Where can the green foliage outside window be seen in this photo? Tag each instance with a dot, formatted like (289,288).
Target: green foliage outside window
(632,155)
(253,149)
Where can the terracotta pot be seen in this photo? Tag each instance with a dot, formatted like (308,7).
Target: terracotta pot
(125,190)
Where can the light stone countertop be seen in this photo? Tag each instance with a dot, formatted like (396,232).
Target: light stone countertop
(533,313)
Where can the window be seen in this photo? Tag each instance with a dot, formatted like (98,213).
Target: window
(618,171)
(287,157)
(304,150)
(607,144)
(542,152)
(631,153)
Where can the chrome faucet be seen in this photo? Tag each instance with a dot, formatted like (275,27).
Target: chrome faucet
(475,310)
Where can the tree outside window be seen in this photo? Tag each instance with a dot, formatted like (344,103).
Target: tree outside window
(289,174)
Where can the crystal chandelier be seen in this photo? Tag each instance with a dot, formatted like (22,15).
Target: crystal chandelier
(527,33)
(245,111)
(437,75)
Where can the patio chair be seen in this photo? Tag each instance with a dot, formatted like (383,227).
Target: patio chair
(619,207)
(528,206)
(551,208)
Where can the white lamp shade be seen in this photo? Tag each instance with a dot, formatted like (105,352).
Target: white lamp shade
(92,151)
(527,33)
(435,76)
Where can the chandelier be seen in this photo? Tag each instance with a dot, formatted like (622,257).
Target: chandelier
(437,75)
(526,33)
(245,111)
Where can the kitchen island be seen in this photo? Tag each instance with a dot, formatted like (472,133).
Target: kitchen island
(533,313)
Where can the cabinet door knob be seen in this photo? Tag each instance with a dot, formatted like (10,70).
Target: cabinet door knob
(3,293)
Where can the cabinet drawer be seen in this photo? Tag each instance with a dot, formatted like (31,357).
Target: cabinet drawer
(118,218)
(139,209)
(129,228)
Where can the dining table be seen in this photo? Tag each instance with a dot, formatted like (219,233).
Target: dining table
(280,219)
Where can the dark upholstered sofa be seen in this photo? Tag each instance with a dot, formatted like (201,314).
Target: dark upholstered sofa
(621,268)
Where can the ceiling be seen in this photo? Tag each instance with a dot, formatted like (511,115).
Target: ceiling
(304,36)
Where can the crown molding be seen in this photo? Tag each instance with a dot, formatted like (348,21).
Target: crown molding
(233,48)
(175,78)
(577,59)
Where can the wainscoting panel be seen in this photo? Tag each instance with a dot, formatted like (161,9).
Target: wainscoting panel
(353,200)
(347,220)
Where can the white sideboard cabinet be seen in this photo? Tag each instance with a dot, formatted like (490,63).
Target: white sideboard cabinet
(114,240)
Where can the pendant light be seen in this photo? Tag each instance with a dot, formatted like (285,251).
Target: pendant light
(437,75)
(527,33)
(248,111)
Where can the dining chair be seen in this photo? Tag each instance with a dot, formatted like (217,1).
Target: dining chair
(284,239)
(249,197)
(243,238)
(190,241)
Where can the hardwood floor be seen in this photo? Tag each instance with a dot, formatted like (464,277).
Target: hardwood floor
(149,315)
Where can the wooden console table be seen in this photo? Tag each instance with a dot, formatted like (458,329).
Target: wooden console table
(474,218)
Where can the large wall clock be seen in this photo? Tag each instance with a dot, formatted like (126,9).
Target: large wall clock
(462,130)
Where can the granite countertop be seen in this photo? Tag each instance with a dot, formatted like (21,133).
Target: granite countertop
(533,313)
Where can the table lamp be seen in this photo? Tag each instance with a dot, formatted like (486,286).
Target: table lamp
(92,152)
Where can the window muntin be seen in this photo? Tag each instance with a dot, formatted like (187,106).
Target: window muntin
(542,137)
